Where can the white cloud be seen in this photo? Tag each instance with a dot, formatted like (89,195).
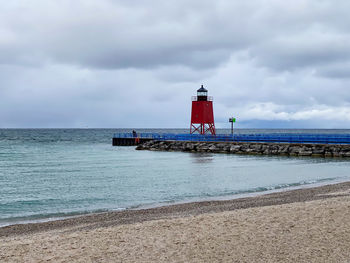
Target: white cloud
(270,111)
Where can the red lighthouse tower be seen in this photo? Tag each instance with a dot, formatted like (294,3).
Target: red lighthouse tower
(202,117)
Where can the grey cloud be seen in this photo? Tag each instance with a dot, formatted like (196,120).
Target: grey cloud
(335,70)
(296,52)
(117,35)
(200,34)
(181,74)
(110,63)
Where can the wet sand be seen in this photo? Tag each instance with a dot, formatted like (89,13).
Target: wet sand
(305,225)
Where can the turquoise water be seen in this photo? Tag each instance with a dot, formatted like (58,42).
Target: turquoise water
(55,173)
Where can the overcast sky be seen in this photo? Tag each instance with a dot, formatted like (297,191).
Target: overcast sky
(136,63)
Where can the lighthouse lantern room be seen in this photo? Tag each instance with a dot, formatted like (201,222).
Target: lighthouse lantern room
(202,115)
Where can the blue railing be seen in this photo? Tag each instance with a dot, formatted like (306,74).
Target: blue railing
(277,137)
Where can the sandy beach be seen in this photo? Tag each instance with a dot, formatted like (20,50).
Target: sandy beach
(305,225)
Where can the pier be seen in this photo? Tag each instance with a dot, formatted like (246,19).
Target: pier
(320,145)
(128,139)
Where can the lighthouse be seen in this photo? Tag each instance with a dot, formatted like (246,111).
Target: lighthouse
(202,115)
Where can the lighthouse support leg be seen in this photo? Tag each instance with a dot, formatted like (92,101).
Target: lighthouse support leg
(203,128)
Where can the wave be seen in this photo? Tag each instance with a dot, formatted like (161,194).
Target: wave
(237,193)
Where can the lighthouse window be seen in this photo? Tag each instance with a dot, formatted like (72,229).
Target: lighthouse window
(201,94)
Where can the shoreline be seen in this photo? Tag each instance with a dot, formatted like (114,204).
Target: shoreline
(303,225)
(229,197)
(183,209)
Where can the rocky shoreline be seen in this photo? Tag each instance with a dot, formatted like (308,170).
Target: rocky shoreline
(254,148)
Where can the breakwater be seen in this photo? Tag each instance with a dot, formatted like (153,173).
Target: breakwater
(256,148)
(127,139)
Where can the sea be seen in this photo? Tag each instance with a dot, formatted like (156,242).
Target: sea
(49,174)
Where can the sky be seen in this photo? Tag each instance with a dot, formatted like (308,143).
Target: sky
(136,63)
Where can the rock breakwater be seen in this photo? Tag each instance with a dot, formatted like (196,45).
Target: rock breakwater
(286,149)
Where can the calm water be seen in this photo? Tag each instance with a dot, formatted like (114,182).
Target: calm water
(55,173)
